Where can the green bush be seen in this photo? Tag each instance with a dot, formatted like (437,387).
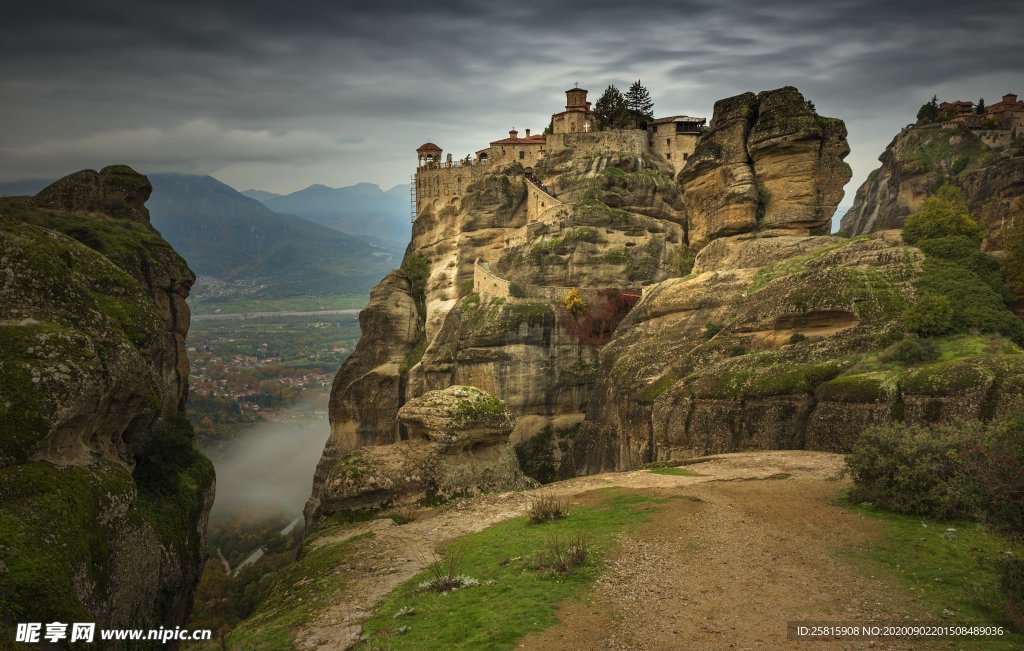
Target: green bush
(930,315)
(516,290)
(1011,580)
(797,338)
(914,350)
(712,329)
(942,215)
(913,469)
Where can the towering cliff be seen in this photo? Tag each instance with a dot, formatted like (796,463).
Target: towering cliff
(987,166)
(624,316)
(103,496)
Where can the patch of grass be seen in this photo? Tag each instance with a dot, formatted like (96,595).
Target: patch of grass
(512,599)
(674,471)
(295,595)
(546,509)
(950,565)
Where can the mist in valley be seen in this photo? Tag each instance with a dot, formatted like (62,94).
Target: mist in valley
(267,470)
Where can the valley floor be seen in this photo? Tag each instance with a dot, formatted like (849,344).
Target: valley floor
(757,540)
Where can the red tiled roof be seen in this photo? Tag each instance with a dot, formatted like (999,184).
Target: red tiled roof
(428,146)
(537,139)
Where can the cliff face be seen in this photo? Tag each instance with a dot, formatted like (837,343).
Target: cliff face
(768,162)
(624,316)
(103,496)
(483,297)
(920,159)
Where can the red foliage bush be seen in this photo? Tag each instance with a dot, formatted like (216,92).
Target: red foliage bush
(605,310)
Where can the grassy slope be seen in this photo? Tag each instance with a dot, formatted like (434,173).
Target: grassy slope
(491,615)
(513,599)
(952,572)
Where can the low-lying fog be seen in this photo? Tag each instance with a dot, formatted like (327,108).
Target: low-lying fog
(268,468)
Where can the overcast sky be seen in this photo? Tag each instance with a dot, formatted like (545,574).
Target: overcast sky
(277,95)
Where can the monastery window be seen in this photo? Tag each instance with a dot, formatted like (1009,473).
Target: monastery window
(668,155)
(522,154)
(685,156)
(668,141)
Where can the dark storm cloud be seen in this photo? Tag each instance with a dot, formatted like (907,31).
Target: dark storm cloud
(280,95)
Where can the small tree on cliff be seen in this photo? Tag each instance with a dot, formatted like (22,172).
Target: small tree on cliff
(611,109)
(929,112)
(639,104)
(980,108)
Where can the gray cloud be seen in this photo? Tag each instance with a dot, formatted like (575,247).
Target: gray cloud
(281,95)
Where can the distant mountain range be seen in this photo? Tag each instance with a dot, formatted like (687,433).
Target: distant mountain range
(238,241)
(363,210)
(239,248)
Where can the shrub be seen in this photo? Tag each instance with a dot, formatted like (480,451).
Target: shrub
(546,509)
(516,290)
(446,574)
(574,303)
(930,315)
(914,350)
(737,351)
(1011,580)
(942,215)
(996,463)
(797,338)
(712,329)
(913,469)
(563,556)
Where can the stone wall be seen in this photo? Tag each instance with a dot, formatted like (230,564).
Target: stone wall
(673,147)
(592,144)
(488,285)
(525,155)
(442,186)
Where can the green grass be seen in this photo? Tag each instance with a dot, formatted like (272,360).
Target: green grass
(296,594)
(291,304)
(948,570)
(675,472)
(513,599)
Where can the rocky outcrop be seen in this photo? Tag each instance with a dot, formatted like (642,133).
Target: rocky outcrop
(769,161)
(96,457)
(455,442)
(625,317)
(777,342)
(116,191)
(920,159)
(610,223)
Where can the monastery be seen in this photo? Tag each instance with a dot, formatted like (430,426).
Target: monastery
(440,181)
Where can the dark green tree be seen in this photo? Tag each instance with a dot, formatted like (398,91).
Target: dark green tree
(639,105)
(980,108)
(610,109)
(929,112)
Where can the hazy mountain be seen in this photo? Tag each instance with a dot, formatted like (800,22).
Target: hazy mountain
(241,247)
(259,195)
(363,210)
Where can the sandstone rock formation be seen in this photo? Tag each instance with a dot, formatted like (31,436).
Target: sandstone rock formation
(625,317)
(456,443)
(614,226)
(768,162)
(920,159)
(103,496)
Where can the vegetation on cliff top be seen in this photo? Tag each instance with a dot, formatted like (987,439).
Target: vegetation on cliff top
(960,288)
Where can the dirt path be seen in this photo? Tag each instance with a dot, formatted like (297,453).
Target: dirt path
(726,568)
